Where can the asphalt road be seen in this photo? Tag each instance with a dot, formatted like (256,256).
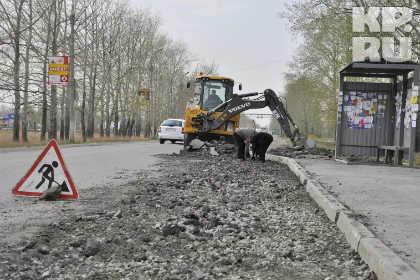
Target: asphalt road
(89,165)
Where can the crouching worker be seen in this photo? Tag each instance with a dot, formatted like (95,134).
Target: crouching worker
(260,143)
(242,140)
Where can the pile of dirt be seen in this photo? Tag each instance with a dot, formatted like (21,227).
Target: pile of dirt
(304,153)
(198,217)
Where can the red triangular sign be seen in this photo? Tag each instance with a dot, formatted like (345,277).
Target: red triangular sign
(48,169)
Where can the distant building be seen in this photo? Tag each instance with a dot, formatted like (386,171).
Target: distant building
(6,120)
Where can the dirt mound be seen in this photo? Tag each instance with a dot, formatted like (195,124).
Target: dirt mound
(201,218)
(305,153)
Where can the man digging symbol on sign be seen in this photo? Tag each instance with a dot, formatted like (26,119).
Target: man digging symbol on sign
(47,174)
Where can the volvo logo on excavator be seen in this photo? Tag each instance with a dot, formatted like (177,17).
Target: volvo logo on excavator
(239,107)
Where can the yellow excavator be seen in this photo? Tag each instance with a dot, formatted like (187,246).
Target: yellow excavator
(214,110)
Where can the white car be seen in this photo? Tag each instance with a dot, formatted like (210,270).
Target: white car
(171,129)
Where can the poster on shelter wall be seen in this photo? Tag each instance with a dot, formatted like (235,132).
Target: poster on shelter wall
(411,108)
(407,111)
(398,100)
(362,107)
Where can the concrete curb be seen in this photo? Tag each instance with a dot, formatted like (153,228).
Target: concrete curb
(352,229)
(381,259)
(327,202)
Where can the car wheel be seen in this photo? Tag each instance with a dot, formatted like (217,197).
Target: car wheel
(162,141)
(173,141)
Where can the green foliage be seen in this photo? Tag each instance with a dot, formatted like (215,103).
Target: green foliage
(306,103)
(313,77)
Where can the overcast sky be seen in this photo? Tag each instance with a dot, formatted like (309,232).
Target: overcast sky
(246,38)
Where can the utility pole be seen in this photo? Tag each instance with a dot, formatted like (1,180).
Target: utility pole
(72,80)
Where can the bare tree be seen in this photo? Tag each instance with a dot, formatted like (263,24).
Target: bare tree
(26,82)
(115,51)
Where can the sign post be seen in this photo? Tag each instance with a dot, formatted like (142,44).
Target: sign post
(144,93)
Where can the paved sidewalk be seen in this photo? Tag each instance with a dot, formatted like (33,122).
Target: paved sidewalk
(387,198)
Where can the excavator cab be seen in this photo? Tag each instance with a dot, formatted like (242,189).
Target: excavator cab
(210,92)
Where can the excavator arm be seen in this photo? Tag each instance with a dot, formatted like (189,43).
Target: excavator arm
(240,103)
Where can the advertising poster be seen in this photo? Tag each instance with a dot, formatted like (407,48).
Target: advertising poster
(362,107)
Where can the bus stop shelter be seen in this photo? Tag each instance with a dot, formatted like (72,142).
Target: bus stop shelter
(378,107)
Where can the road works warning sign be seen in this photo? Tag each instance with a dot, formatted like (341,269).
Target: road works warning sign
(48,169)
(58,70)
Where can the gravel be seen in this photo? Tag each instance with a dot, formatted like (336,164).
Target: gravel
(305,153)
(197,217)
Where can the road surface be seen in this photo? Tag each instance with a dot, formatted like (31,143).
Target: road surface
(89,165)
(93,168)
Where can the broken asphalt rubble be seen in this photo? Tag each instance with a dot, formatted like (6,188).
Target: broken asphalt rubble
(196,217)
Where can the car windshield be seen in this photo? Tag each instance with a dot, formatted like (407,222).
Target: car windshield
(215,93)
(172,123)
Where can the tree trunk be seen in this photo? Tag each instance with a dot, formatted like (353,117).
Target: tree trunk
(131,127)
(82,110)
(92,94)
(72,86)
(44,110)
(116,111)
(26,83)
(91,113)
(52,133)
(116,114)
(101,128)
(107,112)
(16,72)
(138,127)
(91,105)
(62,113)
(44,82)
